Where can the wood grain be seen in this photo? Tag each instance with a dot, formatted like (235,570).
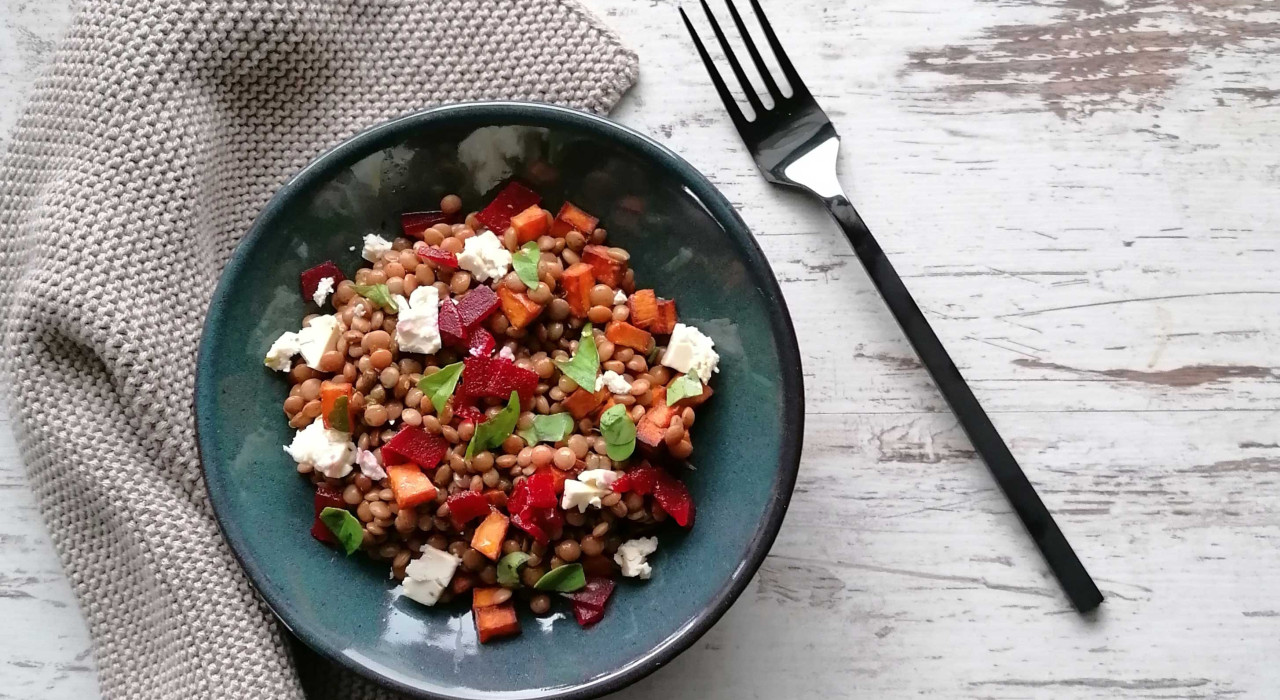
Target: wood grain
(1081,195)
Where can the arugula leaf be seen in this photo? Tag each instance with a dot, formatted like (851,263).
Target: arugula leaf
(344,526)
(440,386)
(509,569)
(380,295)
(552,428)
(584,366)
(565,579)
(525,261)
(492,432)
(619,432)
(682,388)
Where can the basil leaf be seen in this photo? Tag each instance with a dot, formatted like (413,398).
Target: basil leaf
(565,579)
(682,388)
(619,432)
(652,357)
(344,526)
(509,569)
(440,386)
(552,428)
(340,417)
(583,367)
(492,432)
(525,261)
(380,295)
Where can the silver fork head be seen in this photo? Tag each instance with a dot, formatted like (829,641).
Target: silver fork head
(793,143)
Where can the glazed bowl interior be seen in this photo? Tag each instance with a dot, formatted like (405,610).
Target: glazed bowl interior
(685,240)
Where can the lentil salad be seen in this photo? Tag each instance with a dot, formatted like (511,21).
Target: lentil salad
(495,414)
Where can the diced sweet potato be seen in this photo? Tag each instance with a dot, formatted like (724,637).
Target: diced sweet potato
(410,486)
(577,282)
(494,621)
(582,402)
(666,322)
(489,534)
(571,218)
(653,425)
(603,265)
(485,597)
(644,308)
(519,309)
(623,333)
(530,224)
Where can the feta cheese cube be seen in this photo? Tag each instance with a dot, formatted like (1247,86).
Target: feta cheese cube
(617,383)
(374,247)
(417,324)
(280,356)
(484,257)
(331,452)
(578,494)
(632,554)
(323,289)
(318,338)
(691,352)
(426,577)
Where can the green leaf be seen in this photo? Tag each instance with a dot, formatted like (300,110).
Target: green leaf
(683,388)
(509,569)
(344,526)
(565,579)
(525,261)
(552,428)
(440,386)
(380,295)
(584,366)
(492,432)
(619,432)
(340,417)
(652,357)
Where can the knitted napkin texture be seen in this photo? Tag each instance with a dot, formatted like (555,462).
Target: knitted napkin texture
(160,130)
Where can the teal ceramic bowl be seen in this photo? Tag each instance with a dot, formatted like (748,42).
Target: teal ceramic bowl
(685,240)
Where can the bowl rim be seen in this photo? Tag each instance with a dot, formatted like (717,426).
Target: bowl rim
(535,114)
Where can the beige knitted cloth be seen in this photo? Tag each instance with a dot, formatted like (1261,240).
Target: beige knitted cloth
(161,129)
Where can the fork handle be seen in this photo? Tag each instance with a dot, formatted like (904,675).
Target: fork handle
(1080,588)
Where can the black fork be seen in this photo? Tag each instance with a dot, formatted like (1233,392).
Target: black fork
(794,144)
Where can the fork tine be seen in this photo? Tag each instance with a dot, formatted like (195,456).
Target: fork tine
(769,83)
(797,85)
(726,97)
(748,90)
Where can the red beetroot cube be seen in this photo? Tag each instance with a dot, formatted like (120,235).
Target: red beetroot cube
(477,305)
(413,444)
(513,199)
(587,616)
(673,496)
(326,497)
(439,256)
(415,222)
(497,377)
(481,343)
(452,331)
(467,411)
(595,594)
(467,506)
(542,490)
(310,279)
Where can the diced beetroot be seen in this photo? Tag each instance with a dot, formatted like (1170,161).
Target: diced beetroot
(642,479)
(326,497)
(415,222)
(513,199)
(622,484)
(542,490)
(517,379)
(541,523)
(587,616)
(477,305)
(481,343)
(594,595)
(451,330)
(413,444)
(439,256)
(467,506)
(672,494)
(310,279)
(466,411)
(497,377)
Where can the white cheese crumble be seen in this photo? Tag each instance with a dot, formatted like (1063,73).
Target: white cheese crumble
(368,463)
(323,289)
(619,297)
(616,383)
(426,577)
(691,352)
(280,356)
(485,257)
(632,554)
(506,353)
(580,494)
(417,324)
(599,478)
(331,452)
(374,247)
(318,338)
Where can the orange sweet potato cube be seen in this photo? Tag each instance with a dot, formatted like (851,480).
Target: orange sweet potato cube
(606,269)
(530,224)
(485,597)
(571,218)
(577,282)
(410,486)
(519,309)
(494,621)
(489,534)
(623,333)
(653,425)
(582,402)
(644,308)
(666,322)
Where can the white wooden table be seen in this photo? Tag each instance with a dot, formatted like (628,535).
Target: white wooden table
(1084,195)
